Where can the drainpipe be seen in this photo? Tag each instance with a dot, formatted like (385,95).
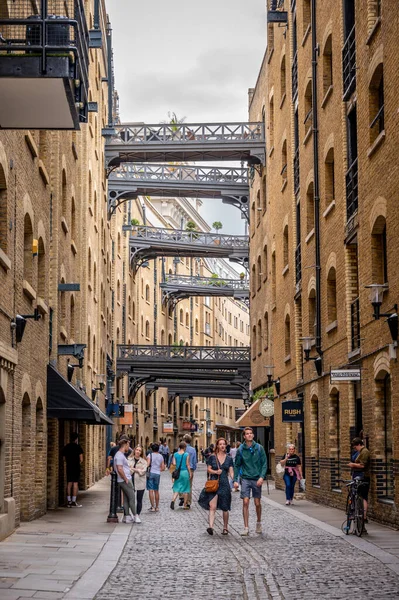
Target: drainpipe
(110,76)
(96,16)
(315,54)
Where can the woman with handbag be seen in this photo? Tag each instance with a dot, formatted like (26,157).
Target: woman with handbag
(138,468)
(217,493)
(292,472)
(181,475)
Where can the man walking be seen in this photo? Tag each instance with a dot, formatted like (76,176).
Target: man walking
(193,466)
(251,466)
(73,454)
(124,479)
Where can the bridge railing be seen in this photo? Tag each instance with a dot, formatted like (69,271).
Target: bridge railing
(180,173)
(199,281)
(192,353)
(198,238)
(189,133)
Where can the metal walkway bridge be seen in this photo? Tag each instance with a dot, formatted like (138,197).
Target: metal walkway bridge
(150,242)
(131,180)
(198,388)
(184,142)
(207,363)
(180,287)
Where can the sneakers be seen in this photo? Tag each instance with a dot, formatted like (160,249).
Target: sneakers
(76,505)
(287,502)
(128,519)
(245,532)
(69,505)
(137,519)
(258,527)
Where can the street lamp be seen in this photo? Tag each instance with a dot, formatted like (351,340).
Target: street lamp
(376,297)
(270,380)
(318,361)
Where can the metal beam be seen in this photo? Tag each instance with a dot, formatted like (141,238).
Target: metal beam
(183,142)
(198,389)
(179,287)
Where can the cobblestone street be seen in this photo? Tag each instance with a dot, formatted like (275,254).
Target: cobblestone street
(292,559)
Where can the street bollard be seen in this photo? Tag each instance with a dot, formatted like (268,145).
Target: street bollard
(113,502)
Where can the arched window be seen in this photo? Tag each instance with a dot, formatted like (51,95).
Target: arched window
(88,345)
(264,194)
(259,263)
(28,256)
(315,439)
(170,339)
(89,265)
(284,169)
(287,337)
(196,412)
(119,243)
(162,337)
(134,311)
(259,337)
(283,79)
(384,423)
(187,320)
(327,65)
(95,205)
(376,103)
(266,331)
(162,406)
(41,270)
(274,277)
(73,219)
(331,296)
(147,293)
(147,329)
(379,264)
(305,15)
(72,319)
(3,212)
(95,278)
(329,170)
(271,123)
(310,208)
(265,264)
(253,280)
(308,120)
(64,194)
(90,189)
(196,326)
(334,438)
(253,342)
(286,246)
(118,291)
(181,317)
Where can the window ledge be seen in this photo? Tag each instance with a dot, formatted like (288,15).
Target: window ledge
(118,302)
(283,100)
(271,151)
(41,306)
(316,486)
(74,151)
(386,501)
(337,491)
(90,210)
(287,358)
(332,326)
(95,299)
(265,279)
(309,236)
(74,248)
(63,333)
(30,142)
(329,208)
(376,144)
(28,290)
(327,96)
(373,30)
(89,286)
(273,306)
(95,226)
(305,35)
(354,353)
(285,270)
(64,225)
(285,181)
(5,262)
(260,353)
(307,136)
(43,173)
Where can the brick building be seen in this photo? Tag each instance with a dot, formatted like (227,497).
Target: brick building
(323,227)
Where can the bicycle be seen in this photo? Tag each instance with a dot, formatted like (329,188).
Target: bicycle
(354,508)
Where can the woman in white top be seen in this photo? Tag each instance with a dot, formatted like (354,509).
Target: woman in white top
(156,465)
(138,468)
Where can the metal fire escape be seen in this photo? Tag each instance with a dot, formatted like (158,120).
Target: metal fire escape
(180,287)
(150,242)
(146,364)
(131,180)
(44,64)
(185,142)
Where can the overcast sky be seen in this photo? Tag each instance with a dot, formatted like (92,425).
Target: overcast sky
(196,58)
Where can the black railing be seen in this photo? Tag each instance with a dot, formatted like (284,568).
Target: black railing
(276,12)
(296,171)
(349,64)
(355,324)
(351,190)
(377,124)
(298,263)
(295,77)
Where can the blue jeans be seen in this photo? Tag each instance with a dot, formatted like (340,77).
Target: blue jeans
(290,481)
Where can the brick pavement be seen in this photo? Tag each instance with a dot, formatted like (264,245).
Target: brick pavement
(170,555)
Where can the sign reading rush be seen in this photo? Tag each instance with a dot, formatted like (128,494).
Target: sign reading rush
(292,411)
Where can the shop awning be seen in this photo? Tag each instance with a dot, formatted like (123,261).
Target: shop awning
(252,417)
(224,426)
(65,401)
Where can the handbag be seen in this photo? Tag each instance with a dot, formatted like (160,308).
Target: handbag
(176,472)
(280,470)
(212,485)
(148,472)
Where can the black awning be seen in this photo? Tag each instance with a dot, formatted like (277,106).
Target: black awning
(65,401)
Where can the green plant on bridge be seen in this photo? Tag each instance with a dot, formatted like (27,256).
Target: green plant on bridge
(135,222)
(217,225)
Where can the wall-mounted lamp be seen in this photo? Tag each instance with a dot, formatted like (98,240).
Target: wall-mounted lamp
(71,368)
(307,347)
(376,297)
(94,390)
(19,324)
(270,380)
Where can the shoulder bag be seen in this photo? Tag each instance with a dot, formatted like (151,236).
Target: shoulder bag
(176,472)
(149,468)
(280,470)
(212,485)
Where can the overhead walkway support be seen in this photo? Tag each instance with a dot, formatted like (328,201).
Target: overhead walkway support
(185,142)
(197,388)
(180,287)
(150,242)
(189,181)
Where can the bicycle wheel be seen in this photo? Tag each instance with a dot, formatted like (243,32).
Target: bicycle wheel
(347,525)
(359,516)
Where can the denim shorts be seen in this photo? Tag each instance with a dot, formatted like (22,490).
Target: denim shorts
(250,484)
(153,481)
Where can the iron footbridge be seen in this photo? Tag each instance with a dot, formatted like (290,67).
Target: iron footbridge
(199,389)
(185,142)
(150,242)
(131,180)
(180,287)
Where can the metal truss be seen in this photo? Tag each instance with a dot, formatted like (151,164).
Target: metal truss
(130,180)
(185,142)
(179,287)
(200,389)
(150,242)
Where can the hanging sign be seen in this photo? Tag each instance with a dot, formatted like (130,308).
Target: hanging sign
(337,375)
(168,428)
(292,411)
